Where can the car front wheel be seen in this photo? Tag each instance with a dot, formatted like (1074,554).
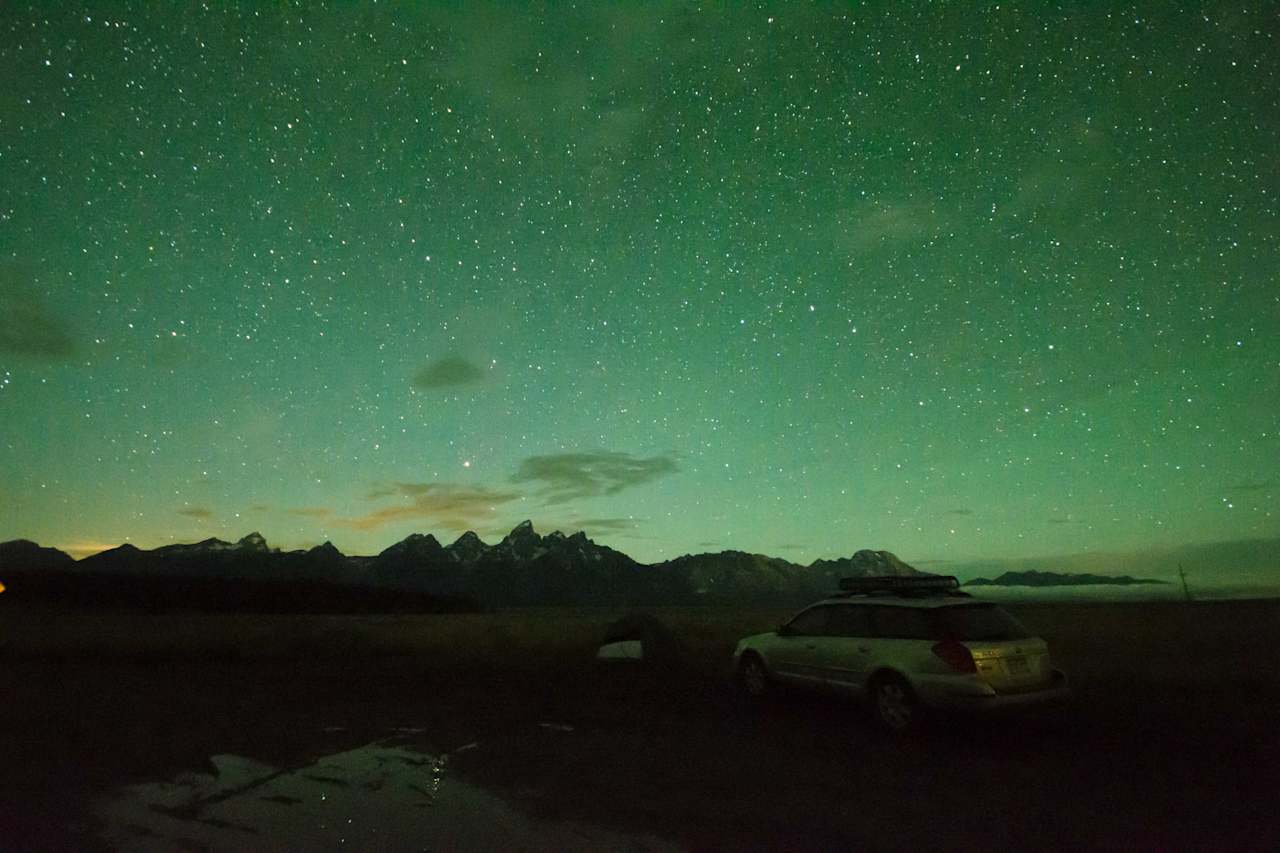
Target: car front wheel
(894,704)
(753,678)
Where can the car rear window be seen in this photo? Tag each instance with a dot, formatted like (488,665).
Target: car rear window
(849,620)
(978,622)
(900,623)
(811,622)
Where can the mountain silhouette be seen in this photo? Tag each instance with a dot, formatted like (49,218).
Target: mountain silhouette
(523,568)
(27,554)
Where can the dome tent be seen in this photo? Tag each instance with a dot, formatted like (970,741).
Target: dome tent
(639,637)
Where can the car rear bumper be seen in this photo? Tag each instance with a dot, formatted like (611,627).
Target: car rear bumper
(978,697)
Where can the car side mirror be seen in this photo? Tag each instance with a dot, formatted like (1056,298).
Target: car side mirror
(785,631)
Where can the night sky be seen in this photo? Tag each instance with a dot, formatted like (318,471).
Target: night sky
(952,281)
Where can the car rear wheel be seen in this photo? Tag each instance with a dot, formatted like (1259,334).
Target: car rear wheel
(894,704)
(753,678)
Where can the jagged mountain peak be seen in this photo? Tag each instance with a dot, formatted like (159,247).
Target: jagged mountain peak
(204,546)
(467,548)
(328,549)
(415,546)
(867,562)
(522,543)
(522,533)
(253,542)
(880,562)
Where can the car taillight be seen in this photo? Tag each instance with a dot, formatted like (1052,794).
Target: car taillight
(955,655)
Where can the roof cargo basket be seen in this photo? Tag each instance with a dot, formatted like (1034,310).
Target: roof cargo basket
(901,585)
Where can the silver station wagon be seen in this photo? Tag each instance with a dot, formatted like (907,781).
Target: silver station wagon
(905,643)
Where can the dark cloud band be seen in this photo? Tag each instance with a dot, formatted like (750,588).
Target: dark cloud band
(29,328)
(448,372)
(566,476)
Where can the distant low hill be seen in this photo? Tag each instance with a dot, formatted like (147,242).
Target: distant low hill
(1208,564)
(524,568)
(24,554)
(1059,579)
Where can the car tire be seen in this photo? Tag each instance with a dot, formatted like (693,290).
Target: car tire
(753,677)
(894,704)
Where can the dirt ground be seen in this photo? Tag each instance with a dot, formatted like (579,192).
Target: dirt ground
(1171,742)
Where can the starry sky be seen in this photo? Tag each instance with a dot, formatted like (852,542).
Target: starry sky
(956,281)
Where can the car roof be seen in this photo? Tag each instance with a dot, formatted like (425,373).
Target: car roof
(926,601)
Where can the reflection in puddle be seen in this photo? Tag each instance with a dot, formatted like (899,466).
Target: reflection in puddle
(379,797)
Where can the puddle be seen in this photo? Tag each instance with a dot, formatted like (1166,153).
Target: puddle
(377,797)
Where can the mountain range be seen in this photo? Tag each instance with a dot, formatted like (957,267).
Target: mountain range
(524,568)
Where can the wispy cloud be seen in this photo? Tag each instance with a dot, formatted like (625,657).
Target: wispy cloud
(318,512)
(444,505)
(1257,486)
(28,327)
(606,525)
(566,476)
(199,513)
(884,225)
(599,107)
(1061,520)
(448,372)
(959,511)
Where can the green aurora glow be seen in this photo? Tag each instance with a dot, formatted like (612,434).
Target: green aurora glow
(960,283)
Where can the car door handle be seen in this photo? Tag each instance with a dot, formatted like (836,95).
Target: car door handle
(811,647)
(864,648)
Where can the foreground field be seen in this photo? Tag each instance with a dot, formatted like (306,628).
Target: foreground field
(1170,744)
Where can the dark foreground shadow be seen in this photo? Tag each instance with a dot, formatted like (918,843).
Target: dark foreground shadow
(656,751)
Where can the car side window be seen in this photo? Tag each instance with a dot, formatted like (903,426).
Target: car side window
(849,620)
(811,623)
(900,623)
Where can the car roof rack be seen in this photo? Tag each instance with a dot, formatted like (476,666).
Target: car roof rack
(906,586)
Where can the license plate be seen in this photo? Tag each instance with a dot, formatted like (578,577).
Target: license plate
(1017,666)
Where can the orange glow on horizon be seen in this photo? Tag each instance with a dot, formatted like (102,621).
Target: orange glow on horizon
(80,550)
(1,587)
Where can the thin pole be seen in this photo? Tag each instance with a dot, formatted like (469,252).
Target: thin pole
(1183,577)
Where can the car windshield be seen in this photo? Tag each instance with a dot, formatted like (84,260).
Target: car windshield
(978,622)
